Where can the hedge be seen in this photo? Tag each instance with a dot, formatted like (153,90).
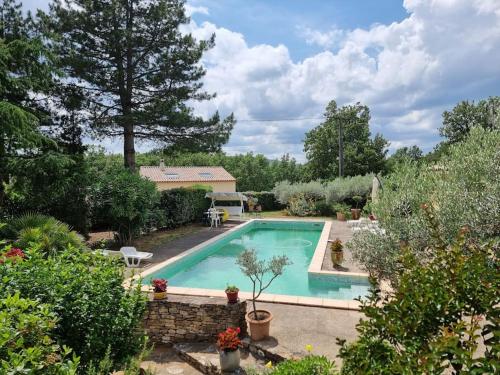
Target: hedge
(183,205)
(266,199)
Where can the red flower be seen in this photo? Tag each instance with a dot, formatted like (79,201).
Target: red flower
(229,340)
(159,285)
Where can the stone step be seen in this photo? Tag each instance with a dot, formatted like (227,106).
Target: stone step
(205,358)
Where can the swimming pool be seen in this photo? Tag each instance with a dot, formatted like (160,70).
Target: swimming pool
(213,265)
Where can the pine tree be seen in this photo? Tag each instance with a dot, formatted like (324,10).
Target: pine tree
(26,70)
(138,71)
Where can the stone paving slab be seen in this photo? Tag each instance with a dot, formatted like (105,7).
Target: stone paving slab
(341,231)
(165,361)
(205,357)
(294,327)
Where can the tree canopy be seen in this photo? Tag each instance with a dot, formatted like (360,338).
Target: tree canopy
(362,154)
(138,71)
(458,122)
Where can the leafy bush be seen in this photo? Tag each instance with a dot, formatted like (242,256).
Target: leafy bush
(442,316)
(346,188)
(50,235)
(266,199)
(182,206)
(126,202)
(309,365)
(25,343)
(318,198)
(285,191)
(85,292)
(300,205)
(463,189)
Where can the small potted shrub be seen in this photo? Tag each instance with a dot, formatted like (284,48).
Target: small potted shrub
(228,343)
(337,252)
(341,211)
(159,288)
(356,212)
(259,321)
(232,293)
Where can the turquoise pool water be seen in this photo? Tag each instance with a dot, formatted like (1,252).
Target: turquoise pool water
(214,266)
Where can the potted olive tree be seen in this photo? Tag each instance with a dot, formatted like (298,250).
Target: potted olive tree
(228,343)
(259,321)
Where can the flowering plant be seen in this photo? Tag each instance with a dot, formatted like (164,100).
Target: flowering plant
(228,340)
(159,285)
(14,254)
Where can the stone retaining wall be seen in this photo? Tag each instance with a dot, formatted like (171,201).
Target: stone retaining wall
(189,318)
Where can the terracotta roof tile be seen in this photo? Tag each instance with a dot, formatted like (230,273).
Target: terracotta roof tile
(185,174)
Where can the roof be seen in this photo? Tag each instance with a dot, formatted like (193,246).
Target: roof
(185,174)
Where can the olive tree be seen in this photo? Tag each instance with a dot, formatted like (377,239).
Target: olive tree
(257,269)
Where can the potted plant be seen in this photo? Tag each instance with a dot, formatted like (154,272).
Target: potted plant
(252,201)
(228,343)
(259,321)
(356,212)
(159,288)
(337,252)
(341,211)
(232,293)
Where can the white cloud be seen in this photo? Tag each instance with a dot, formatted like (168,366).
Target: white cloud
(323,39)
(192,9)
(407,72)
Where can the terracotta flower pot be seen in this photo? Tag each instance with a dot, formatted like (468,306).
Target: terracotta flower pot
(160,295)
(337,257)
(229,360)
(259,329)
(232,297)
(356,213)
(340,216)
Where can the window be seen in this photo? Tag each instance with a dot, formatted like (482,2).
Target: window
(205,174)
(172,175)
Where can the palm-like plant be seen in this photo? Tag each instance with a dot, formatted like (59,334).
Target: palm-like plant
(50,234)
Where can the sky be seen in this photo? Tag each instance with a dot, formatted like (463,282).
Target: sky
(277,63)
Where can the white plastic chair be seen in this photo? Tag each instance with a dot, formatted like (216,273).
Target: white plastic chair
(214,217)
(132,257)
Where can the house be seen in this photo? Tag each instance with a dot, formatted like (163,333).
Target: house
(166,177)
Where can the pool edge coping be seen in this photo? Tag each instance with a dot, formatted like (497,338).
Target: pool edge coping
(314,268)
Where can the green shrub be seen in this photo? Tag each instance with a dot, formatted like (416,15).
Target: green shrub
(441,317)
(182,206)
(26,346)
(285,191)
(266,199)
(86,293)
(300,205)
(340,190)
(322,208)
(309,365)
(463,189)
(346,188)
(50,235)
(126,203)
(340,207)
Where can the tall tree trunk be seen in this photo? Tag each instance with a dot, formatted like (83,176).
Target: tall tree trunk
(128,147)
